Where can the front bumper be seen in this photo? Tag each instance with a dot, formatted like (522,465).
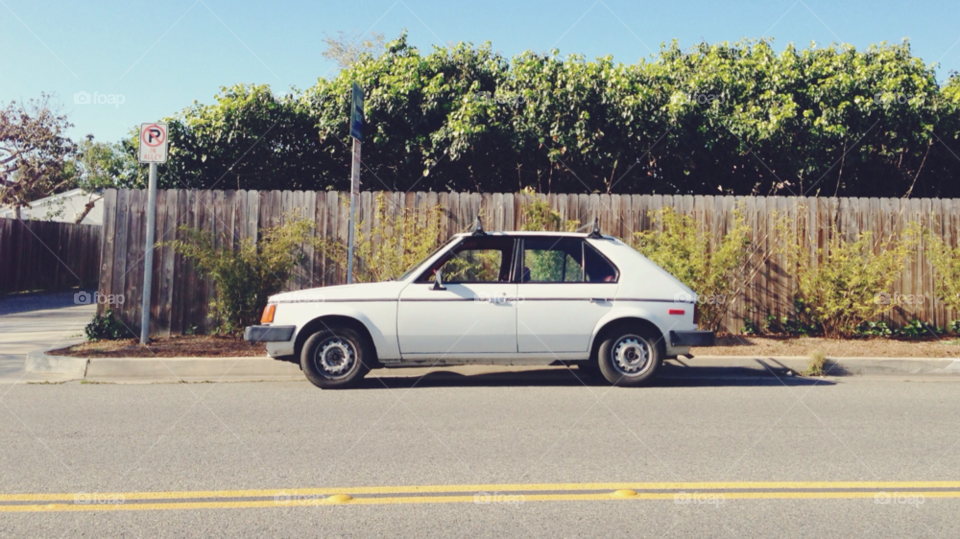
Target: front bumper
(268,333)
(692,338)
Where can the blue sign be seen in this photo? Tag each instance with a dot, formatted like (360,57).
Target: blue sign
(356,114)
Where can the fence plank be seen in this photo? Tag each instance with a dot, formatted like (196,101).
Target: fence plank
(181,298)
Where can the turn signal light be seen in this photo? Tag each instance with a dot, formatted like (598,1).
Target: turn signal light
(268,313)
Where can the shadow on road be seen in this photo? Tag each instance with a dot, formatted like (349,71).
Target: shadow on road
(669,376)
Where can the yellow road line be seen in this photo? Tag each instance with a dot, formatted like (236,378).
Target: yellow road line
(402,500)
(534,487)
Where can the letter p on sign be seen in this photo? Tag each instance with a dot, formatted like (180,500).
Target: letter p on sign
(153,143)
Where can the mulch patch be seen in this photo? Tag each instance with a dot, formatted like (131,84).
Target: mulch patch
(181,346)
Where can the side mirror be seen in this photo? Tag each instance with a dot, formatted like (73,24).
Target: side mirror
(438,280)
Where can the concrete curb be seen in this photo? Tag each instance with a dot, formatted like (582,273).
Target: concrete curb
(217,369)
(39,361)
(837,366)
(191,369)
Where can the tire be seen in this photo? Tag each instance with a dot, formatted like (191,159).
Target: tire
(629,357)
(336,358)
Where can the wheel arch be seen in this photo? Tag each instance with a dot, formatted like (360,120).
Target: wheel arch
(642,324)
(331,321)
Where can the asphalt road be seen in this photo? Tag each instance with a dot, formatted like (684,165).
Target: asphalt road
(38,321)
(118,445)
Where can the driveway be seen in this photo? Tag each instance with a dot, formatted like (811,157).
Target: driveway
(34,321)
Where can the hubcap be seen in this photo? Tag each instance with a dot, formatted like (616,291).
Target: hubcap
(631,355)
(335,357)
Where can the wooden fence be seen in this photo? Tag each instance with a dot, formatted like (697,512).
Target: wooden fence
(44,255)
(180,298)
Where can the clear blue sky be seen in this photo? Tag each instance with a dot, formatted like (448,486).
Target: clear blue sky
(161,56)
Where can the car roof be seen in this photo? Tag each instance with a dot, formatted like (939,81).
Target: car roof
(529,233)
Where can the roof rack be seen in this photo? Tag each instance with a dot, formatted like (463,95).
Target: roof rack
(478,228)
(595,234)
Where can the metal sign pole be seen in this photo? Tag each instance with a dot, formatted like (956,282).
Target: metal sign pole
(354,193)
(356,133)
(148,256)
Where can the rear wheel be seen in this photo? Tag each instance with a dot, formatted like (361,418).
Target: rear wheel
(629,357)
(336,358)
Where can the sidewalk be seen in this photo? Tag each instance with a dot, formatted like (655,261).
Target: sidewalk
(38,321)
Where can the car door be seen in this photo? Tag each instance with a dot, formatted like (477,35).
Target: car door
(473,312)
(566,286)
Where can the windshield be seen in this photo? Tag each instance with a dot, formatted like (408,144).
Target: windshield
(421,262)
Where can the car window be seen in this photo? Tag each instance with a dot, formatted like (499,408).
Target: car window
(564,260)
(475,260)
(597,268)
(422,262)
(474,266)
(551,261)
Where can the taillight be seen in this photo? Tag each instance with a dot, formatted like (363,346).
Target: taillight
(268,313)
(696,315)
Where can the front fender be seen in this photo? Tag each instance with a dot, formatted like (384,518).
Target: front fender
(378,317)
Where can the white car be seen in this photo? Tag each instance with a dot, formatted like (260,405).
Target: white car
(512,298)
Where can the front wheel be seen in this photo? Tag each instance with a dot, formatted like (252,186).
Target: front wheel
(336,358)
(629,358)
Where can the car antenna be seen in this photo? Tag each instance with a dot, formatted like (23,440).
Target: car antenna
(595,234)
(478,228)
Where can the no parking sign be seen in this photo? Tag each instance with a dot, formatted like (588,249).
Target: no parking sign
(153,143)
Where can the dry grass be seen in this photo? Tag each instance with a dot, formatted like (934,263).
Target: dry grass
(747,345)
(185,346)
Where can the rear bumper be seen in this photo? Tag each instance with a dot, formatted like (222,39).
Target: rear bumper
(692,338)
(268,333)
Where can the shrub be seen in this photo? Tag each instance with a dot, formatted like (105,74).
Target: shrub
(846,287)
(946,266)
(818,360)
(682,246)
(793,326)
(244,278)
(874,329)
(750,327)
(106,326)
(539,216)
(916,329)
(398,239)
